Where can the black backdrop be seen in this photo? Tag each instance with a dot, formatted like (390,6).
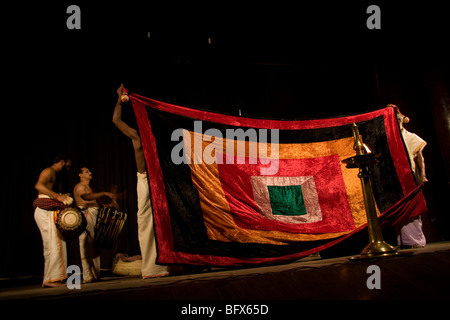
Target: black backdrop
(280,61)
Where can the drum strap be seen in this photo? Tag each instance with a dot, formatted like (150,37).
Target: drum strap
(48,204)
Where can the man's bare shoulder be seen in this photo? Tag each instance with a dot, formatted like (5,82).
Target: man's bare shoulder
(81,189)
(48,174)
(48,171)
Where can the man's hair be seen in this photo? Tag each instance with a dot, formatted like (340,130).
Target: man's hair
(80,170)
(60,157)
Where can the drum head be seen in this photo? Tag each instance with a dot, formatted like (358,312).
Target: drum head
(71,222)
(71,219)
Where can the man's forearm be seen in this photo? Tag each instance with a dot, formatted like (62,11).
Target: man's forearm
(93,196)
(120,124)
(117,115)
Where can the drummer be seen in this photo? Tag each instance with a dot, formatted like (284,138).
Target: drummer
(54,244)
(88,202)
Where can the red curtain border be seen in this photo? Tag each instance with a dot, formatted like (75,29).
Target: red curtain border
(164,241)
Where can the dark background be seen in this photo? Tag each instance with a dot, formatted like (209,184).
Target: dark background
(272,59)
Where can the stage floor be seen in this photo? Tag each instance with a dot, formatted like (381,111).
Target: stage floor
(416,274)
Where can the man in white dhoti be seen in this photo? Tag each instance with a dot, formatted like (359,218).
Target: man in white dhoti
(411,234)
(86,200)
(146,232)
(54,244)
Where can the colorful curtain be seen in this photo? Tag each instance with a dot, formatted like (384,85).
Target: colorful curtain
(229,191)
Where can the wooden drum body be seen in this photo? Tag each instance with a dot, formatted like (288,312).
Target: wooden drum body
(108,227)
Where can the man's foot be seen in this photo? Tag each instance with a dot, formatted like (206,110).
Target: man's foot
(53,284)
(89,280)
(414,246)
(156,276)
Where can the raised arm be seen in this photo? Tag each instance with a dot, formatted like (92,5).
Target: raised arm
(129,132)
(117,118)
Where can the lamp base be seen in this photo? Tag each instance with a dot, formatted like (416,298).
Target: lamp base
(377,249)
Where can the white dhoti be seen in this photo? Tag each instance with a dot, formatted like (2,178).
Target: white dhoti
(54,245)
(90,260)
(411,233)
(146,231)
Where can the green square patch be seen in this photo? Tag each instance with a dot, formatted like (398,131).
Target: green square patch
(287,200)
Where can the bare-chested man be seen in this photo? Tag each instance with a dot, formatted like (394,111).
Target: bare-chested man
(54,244)
(146,230)
(86,200)
(47,179)
(85,197)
